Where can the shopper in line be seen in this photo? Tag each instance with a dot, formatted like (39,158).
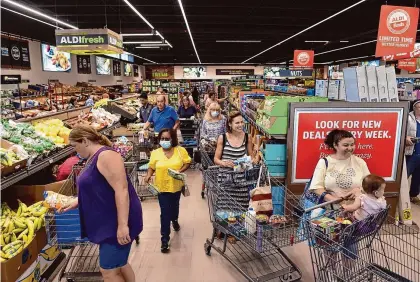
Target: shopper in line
(342,173)
(186,94)
(213,126)
(72,103)
(195,94)
(212,98)
(110,211)
(162,116)
(186,110)
(145,108)
(412,152)
(169,156)
(234,144)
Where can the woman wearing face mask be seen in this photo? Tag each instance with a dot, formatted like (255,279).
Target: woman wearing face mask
(342,173)
(234,144)
(169,155)
(214,125)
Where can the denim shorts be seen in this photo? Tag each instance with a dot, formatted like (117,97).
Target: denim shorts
(113,256)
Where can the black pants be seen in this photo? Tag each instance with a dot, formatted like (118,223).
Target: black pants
(169,211)
(413,170)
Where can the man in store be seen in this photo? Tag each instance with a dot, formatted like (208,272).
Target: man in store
(162,116)
(145,108)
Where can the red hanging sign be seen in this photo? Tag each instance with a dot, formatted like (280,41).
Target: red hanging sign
(397,30)
(408,64)
(303,59)
(413,54)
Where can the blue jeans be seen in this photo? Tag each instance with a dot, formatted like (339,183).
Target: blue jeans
(169,211)
(413,169)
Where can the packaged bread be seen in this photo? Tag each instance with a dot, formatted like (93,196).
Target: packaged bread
(57,201)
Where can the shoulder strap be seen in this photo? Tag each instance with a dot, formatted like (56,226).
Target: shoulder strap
(326,162)
(224,141)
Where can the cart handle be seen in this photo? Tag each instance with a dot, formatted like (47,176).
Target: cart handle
(324,204)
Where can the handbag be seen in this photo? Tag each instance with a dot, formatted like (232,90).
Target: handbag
(185,191)
(261,197)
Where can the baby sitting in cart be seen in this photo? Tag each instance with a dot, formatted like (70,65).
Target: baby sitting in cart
(370,202)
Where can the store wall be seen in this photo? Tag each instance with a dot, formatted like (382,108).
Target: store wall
(37,75)
(211,71)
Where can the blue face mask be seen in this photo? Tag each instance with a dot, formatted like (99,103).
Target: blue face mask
(165,144)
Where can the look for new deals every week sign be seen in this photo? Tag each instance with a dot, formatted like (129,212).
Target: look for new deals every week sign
(377,132)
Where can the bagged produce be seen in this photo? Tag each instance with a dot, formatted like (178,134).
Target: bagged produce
(55,200)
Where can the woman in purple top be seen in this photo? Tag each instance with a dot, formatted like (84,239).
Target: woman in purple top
(110,211)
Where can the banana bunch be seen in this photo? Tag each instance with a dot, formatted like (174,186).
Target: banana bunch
(19,227)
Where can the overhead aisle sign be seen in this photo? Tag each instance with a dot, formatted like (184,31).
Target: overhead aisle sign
(303,59)
(379,131)
(408,64)
(397,30)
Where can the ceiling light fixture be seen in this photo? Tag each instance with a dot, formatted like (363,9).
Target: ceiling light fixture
(156,44)
(188,28)
(148,47)
(142,42)
(141,57)
(26,8)
(146,21)
(346,47)
(166,41)
(306,29)
(138,13)
(136,34)
(30,17)
(238,41)
(316,41)
(344,41)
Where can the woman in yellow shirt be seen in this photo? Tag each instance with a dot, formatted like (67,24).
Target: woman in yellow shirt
(169,155)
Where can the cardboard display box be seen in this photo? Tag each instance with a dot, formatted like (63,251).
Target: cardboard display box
(5,170)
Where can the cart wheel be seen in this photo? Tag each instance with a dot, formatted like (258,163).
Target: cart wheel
(137,240)
(202,194)
(141,199)
(207,249)
(70,280)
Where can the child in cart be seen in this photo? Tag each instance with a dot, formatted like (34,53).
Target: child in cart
(370,202)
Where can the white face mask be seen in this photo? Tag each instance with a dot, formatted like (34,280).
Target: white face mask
(214,113)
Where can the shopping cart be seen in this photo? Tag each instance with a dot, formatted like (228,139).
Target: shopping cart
(257,252)
(207,160)
(189,132)
(63,231)
(373,249)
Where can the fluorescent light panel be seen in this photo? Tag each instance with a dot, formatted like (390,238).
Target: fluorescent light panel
(26,8)
(30,17)
(238,41)
(188,28)
(306,29)
(136,34)
(151,45)
(146,21)
(316,41)
(147,47)
(142,42)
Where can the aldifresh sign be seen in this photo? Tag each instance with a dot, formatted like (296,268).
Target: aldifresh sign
(303,59)
(397,30)
(89,41)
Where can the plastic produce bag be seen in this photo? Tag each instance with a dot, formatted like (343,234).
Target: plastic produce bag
(55,200)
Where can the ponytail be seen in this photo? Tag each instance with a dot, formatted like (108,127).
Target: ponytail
(103,140)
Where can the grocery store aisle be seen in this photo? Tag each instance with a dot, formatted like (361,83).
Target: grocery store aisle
(187,260)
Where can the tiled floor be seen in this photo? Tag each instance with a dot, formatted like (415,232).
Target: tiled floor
(187,261)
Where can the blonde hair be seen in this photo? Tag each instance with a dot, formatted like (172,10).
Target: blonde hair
(210,108)
(86,131)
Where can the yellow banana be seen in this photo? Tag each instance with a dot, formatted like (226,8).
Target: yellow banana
(6,222)
(25,238)
(20,223)
(17,230)
(24,232)
(14,250)
(23,205)
(30,228)
(2,259)
(2,243)
(19,212)
(2,254)
(13,238)
(11,245)
(7,238)
(11,226)
(40,212)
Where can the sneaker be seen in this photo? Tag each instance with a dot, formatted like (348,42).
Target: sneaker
(176,225)
(415,200)
(164,247)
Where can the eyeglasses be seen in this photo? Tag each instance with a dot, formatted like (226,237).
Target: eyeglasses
(165,139)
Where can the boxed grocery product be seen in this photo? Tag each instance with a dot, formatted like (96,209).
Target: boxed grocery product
(392,84)
(382,84)
(326,230)
(32,274)
(47,256)
(372,80)
(13,157)
(362,84)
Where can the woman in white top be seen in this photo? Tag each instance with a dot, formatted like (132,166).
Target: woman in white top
(345,172)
